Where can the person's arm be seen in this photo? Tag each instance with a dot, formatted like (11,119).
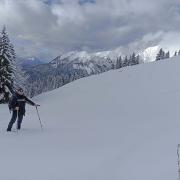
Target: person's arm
(29,101)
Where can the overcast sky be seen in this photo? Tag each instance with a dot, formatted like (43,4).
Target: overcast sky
(47,28)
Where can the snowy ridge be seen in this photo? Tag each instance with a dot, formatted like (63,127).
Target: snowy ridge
(90,63)
(149,54)
(82,57)
(74,65)
(146,55)
(102,58)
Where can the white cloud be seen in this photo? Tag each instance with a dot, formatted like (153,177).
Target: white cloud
(47,29)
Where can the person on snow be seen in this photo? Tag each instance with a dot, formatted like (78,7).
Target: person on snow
(17,106)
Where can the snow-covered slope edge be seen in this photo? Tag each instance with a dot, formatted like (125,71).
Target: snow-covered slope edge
(121,124)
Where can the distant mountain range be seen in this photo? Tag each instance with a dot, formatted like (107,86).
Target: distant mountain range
(64,69)
(74,65)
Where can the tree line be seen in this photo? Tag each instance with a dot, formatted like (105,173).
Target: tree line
(11,75)
(135,59)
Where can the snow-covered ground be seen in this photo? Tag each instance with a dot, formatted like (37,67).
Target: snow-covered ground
(119,125)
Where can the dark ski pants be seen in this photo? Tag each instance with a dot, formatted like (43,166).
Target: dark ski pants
(13,120)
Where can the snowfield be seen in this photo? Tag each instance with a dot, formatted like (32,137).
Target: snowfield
(119,125)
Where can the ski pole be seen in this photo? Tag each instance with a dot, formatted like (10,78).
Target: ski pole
(17,121)
(39,119)
(178,155)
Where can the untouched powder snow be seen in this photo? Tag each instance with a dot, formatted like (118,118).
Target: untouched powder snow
(120,125)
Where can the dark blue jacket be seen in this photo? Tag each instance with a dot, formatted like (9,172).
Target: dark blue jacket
(19,101)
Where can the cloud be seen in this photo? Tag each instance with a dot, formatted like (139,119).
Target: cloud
(47,28)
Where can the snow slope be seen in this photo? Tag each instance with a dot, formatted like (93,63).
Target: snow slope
(119,125)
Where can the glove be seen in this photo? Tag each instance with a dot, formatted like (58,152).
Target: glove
(17,108)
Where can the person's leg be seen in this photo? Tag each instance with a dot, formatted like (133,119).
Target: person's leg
(20,118)
(12,121)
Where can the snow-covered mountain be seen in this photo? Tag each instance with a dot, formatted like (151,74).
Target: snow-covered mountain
(74,65)
(92,63)
(146,55)
(119,125)
(64,69)
(149,54)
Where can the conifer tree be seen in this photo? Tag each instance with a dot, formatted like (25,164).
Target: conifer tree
(138,59)
(6,67)
(175,54)
(119,63)
(160,55)
(167,55)
(125,62)
(179,53)
(133,59)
